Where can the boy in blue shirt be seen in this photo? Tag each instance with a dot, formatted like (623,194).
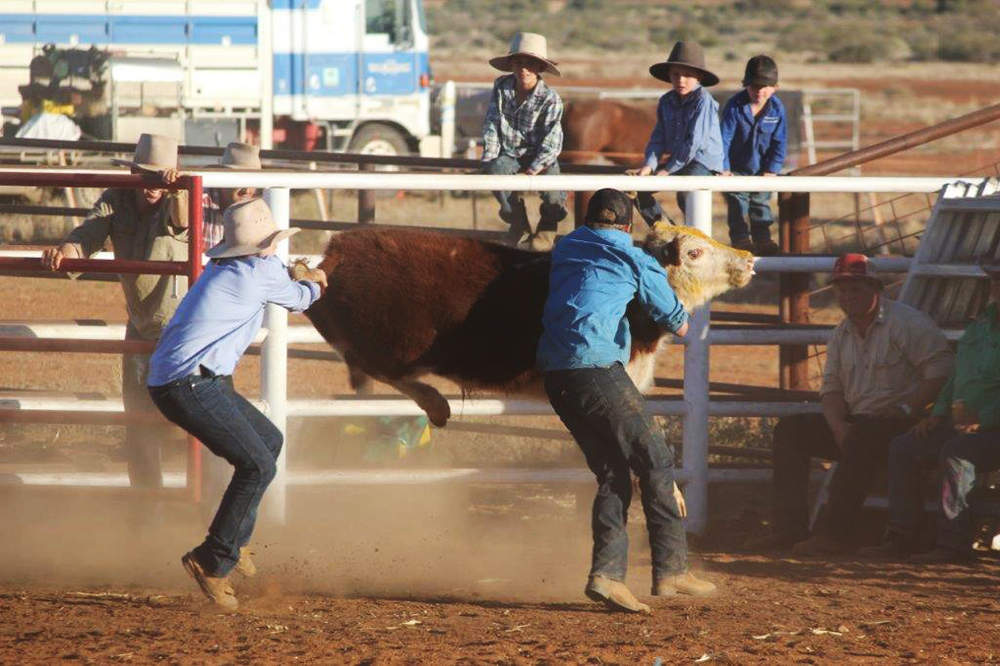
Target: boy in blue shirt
(596,271)
(190,380)
(686,140)
(754,129)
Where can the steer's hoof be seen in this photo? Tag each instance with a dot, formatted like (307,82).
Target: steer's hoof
(439,413)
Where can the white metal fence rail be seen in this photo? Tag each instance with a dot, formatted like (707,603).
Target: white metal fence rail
(695,407)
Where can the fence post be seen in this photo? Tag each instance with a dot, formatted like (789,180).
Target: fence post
(696,366)
(274,364)
(793,225)
(366,200)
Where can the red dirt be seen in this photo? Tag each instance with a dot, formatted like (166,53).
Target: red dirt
(768,610)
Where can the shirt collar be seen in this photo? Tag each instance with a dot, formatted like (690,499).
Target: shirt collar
(879,318)
(677,100)
(539,90)
(613,236)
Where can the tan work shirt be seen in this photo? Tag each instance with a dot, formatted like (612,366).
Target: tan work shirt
(874,373)
(158,235)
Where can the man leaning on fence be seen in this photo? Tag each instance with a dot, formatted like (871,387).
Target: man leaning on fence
(885,363)
(523,133)
(147,224)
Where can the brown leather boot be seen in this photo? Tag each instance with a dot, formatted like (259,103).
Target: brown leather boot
(217,589)
(245,565)
(613,594)
(685,583)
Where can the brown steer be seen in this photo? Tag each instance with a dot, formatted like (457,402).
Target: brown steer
(402,304)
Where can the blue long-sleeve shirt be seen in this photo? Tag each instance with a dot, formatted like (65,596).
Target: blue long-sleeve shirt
(221,314)
(594,276)
(687,128)
(754,145)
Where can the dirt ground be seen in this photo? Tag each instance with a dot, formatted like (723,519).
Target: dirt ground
(459,579)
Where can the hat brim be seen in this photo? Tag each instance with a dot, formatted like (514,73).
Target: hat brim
(848,278)
(761,82)
(223,250)
(661,71)
(150,168)
(504,65)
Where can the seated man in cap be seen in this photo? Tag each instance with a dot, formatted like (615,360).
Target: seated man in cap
(216,201)
(596,272)
(961,436)
(885,362)
(523,133)
(148,224)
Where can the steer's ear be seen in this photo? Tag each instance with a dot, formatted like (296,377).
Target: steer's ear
(670,253)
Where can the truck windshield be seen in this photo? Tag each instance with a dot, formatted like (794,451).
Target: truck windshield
(390,17)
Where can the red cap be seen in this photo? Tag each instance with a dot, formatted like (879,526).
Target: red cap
(851,266)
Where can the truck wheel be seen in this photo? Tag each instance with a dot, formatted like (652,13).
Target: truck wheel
(379,139)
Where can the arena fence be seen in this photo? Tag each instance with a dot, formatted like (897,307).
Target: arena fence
(191,269)
(695,406)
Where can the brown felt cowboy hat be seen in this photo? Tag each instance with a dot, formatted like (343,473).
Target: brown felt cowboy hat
(689,54)
(248,228)
(528,44)
(153,152)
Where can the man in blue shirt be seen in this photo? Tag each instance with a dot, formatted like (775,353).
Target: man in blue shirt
(686,140)
(596,271)
(190,378)
(754,129)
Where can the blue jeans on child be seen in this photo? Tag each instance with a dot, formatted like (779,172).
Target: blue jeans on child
(650,208)
(607,416)
(552,210)
(958,458)
(749,214)
(209,408)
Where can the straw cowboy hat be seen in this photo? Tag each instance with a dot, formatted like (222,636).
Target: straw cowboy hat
(689,54)
(248,228)
(153,152)
(241,156)
(528,44)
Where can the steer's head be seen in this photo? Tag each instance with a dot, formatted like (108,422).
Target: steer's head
(698,267)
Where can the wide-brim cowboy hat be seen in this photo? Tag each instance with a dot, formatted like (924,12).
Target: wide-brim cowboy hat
(153,152)
(248,228)
(529,44)
(688,54)
(241,156)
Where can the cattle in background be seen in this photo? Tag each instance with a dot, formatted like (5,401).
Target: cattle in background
(402,304)
(614,131)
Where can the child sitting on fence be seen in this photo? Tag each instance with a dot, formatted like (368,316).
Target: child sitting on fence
(686,140)
(754,128)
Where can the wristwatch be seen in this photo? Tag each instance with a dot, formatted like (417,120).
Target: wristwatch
(906,409)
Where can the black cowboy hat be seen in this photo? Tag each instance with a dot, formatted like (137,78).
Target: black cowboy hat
(689,54)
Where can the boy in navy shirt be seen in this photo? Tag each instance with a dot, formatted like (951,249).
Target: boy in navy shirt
(596,271)
(754,128)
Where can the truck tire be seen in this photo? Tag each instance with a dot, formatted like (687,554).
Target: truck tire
(379,139)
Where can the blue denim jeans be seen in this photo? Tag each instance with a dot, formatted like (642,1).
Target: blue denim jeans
(607,416)
(958,458)
(749,214)
(650,208)
(210,409)
(552,210)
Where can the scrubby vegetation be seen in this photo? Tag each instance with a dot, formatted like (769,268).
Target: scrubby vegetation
(832,30)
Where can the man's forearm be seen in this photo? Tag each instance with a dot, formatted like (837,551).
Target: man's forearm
(927,392)
(834,408)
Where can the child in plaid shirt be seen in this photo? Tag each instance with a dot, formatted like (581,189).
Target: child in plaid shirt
(522,133)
